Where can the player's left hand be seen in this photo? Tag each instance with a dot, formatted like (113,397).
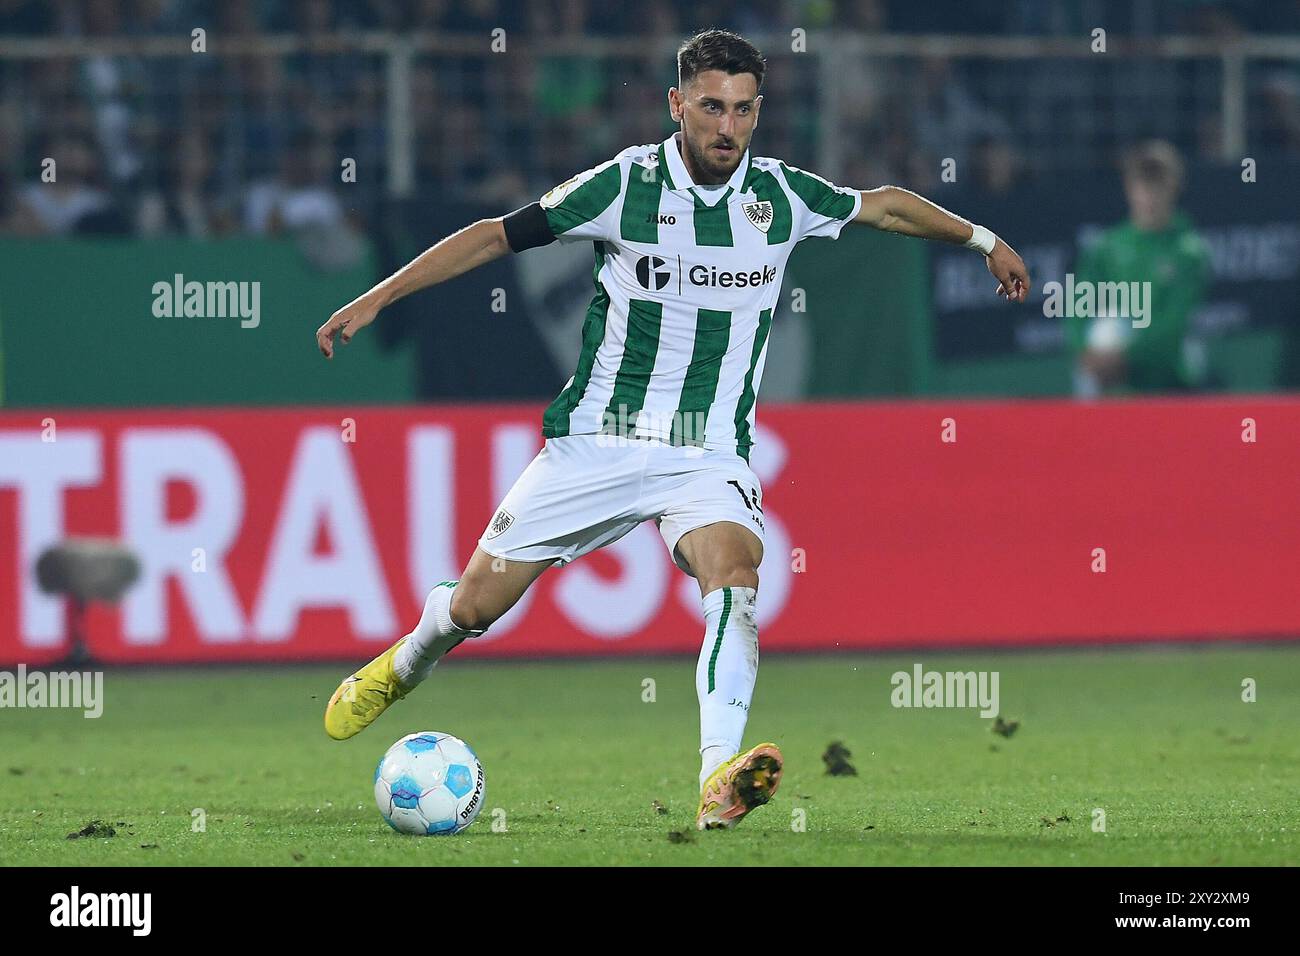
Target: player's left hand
(1009,269)
(356,315)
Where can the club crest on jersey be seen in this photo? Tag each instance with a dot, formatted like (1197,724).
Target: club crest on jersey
(500,522)
(759,214)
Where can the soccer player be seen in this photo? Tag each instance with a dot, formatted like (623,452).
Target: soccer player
(1159,246)
(691,238)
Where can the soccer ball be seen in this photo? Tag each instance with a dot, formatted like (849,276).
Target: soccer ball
(429,784)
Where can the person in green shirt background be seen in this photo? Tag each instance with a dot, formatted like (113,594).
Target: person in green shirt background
(1157,245)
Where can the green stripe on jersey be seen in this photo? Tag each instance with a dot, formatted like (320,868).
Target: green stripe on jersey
(713,223)
(640,220)
(765,186)
(712,334)
(555,420)
(745,441)
(587,201)
(633,378)
(663,169)
(817,194)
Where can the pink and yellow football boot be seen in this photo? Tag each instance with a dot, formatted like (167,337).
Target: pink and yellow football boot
(746,781)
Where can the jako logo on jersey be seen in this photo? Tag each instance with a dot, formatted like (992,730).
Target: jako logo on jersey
(759,214)
(651,274)
(710,276)
(661,219)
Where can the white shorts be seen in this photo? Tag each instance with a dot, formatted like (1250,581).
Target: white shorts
(583,492)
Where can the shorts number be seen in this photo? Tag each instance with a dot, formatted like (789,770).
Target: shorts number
(751,505)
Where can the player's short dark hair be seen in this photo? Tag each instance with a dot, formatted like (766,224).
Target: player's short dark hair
(719,50)
(1154,161)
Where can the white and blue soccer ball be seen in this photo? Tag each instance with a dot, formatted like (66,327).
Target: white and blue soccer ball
(429,784)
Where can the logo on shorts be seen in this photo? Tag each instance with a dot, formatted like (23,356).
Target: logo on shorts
(500,521)
(753,505)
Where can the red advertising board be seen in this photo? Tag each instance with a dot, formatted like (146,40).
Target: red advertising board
(278,534)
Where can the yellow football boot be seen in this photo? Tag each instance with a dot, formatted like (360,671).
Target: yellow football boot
(364,696)
(746,781)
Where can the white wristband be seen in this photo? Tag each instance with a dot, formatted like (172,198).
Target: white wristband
(981,240)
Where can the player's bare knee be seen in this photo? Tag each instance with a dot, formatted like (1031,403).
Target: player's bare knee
(738,575)
(468,611)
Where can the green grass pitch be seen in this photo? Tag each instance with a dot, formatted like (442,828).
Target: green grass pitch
(1160,739)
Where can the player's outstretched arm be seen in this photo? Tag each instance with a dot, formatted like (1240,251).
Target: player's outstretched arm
(900,210)
(473,246)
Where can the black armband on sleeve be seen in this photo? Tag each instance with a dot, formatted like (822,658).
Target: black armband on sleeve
(527,228)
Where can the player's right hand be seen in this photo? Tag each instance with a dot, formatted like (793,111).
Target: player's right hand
(357,314)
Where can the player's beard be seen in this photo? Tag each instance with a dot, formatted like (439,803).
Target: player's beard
(717,173)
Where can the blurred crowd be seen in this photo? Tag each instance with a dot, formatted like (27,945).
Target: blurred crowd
(621,18)
(221,143)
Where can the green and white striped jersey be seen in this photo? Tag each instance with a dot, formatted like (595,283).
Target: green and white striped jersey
(687,278)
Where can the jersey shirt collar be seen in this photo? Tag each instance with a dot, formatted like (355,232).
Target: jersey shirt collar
(677,179)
